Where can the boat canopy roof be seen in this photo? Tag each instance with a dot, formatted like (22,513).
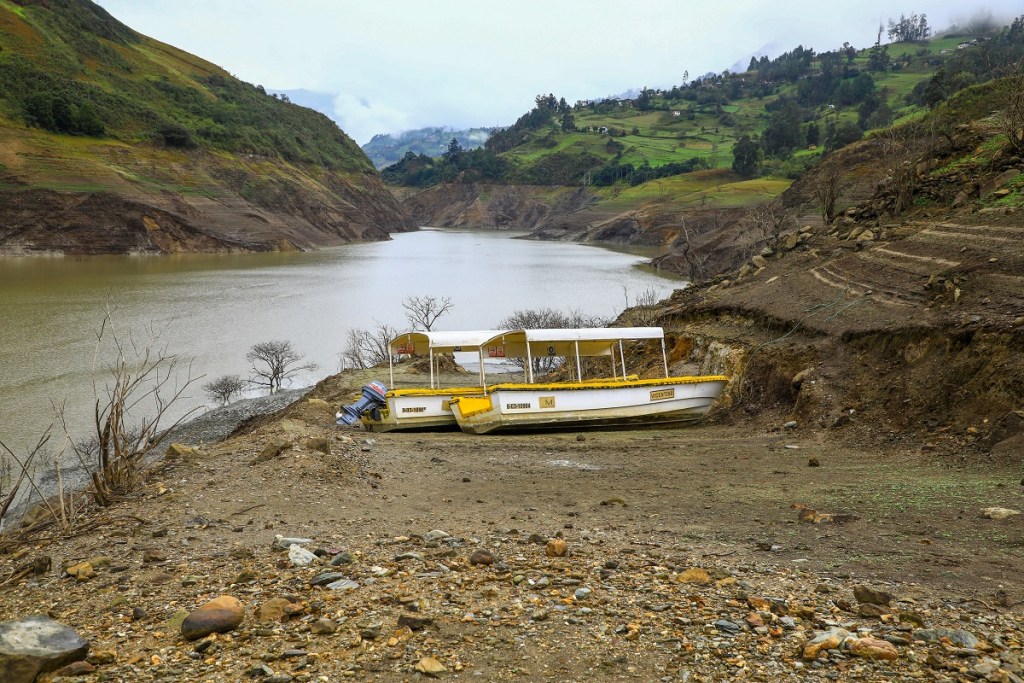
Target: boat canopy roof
(422,343)
(583,341)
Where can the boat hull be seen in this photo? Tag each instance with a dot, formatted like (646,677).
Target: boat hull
(611,405)
(417,410)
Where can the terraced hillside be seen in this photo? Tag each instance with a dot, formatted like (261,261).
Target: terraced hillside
(111,141)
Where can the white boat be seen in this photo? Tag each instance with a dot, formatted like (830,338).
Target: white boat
(424,408)
(619,400)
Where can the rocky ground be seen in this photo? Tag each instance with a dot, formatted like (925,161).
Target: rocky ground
(714,553)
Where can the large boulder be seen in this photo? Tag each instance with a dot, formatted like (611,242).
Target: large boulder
(35,645)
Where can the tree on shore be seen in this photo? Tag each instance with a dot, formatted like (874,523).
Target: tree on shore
(423,312)
(224,388)
(274,362)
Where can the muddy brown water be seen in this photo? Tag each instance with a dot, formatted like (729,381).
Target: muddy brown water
(210,309)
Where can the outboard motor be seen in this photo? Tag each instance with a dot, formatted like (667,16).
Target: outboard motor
(372,399)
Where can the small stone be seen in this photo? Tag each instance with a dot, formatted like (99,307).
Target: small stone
(414,623)
(371,631)
(430,667)
(272,450)
(286,542)
(873,648)
(274,609)
(35,645)
(323,627)
(582,593)
(343,585)
(435,535)
(325,578)
(957,637)
(911,618)
(792,424)
(180,450)
(318,443)
(813,462)
(245,576)
(138,614)
(866,609)
(694,575)
(340,559)
(482,557)
(83,571)
(998,513)
(556,547)
(726,626)
(153,555)
(300,557)
(863,594)
(402,557)
(79,668)
(828,640)
(580,438)
(220,615)
(101,657)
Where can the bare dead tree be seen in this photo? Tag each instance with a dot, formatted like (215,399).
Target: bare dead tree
(224,388)
(768,221)
(1010,116)
(898,156)
(423,312)
(543,318)
(275,362)
(696,259)
(368,348)
(827,190)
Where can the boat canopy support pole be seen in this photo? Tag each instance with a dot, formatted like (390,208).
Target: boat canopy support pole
(483,376)
(579,369)
(391,368)
(664,356)
(622,357)
(529,365)
(432,368)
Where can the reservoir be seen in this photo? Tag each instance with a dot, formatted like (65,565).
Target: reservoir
(209,309)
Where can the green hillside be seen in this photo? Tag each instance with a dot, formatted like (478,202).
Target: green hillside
(112,142)
(67,66)
(774,120)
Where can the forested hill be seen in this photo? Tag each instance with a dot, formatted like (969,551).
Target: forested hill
(94,115)
(775,119)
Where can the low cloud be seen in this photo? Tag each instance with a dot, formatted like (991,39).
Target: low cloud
(362,118)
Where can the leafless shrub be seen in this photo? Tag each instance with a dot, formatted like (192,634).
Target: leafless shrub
(768,221)
(827,190)
(368,348)
(642,311)
(274,363)
(141,378)
(12,484)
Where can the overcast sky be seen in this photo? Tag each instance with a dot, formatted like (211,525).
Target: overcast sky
(399,64)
